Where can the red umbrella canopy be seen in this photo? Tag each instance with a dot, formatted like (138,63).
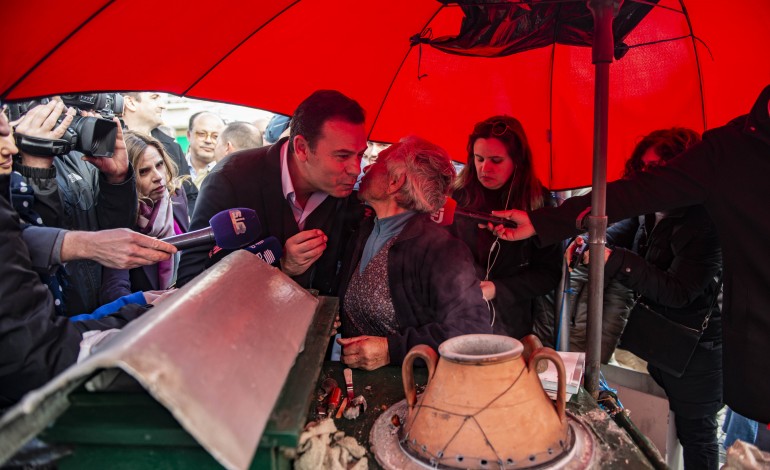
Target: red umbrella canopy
(698,69)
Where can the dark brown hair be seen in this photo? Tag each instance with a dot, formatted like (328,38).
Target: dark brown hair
(527,191)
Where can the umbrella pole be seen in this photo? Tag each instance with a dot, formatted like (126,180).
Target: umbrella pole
(603,46)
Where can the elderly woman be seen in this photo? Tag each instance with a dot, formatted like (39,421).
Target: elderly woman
(407,281)
(162,212)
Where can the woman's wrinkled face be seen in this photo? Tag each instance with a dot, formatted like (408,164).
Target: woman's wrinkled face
(493,164)
(151,175)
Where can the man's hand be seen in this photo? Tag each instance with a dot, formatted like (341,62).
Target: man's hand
(524,228)
(365,352)
(40,122)
(115,168)
(302,250)
(118,248)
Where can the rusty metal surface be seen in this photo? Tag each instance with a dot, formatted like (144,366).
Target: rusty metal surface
(216,354)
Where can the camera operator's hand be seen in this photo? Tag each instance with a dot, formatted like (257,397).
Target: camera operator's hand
(115,168)
(40,122)
(118,248)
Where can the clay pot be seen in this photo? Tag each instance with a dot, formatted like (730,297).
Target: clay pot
(483,406)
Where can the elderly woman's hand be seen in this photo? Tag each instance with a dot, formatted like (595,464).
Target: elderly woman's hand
(365,352)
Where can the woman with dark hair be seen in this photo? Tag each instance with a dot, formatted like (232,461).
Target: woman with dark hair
(499,176)
(162,212)
(671,259)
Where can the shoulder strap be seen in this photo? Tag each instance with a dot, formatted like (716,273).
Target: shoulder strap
(713,303)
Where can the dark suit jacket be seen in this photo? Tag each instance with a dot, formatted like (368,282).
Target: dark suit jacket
(252,178)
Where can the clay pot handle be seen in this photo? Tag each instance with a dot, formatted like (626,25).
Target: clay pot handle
(553,356)
(427,354)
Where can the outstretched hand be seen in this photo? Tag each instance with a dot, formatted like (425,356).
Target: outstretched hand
(118,248)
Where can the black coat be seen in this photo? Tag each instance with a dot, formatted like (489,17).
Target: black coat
(728,173)
(252,178)
(521,272)
(673,266)
(35,343)
(435,292)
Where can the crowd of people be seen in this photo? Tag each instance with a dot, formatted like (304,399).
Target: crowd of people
(402,279)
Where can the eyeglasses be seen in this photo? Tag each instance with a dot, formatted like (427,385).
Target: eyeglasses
(203,135)
(498,128)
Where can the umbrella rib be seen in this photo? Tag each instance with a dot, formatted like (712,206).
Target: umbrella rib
(395,75)
(222,59)
(697,64)
(56,48)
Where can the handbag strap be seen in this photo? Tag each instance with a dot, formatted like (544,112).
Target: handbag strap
(713,303)
(705,323)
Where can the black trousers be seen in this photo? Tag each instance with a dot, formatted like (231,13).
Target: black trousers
(695,398)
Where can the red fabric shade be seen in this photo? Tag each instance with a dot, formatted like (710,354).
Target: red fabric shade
(272,53)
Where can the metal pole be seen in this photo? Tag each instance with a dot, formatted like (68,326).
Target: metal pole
(603,46)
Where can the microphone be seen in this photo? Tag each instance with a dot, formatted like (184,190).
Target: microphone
(230,229)
(447,214)
(268,250)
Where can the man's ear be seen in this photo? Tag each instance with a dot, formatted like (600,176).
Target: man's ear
(229,148)
(301,148)
(128,102)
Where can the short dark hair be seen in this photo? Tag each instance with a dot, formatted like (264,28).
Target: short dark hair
(316,109)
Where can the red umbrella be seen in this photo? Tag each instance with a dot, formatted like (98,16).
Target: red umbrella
(695,64)
(697,70)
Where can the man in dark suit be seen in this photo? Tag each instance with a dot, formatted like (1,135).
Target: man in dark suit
(300,188)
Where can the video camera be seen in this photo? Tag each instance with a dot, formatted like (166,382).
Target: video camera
(92,136)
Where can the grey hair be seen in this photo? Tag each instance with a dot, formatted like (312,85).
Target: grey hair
(429,174)
(242,135)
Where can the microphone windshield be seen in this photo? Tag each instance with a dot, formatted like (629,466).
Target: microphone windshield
(234,228)
(445,215)
(268,250)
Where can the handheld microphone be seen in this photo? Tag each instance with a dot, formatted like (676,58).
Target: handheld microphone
(268,250)
(230,229)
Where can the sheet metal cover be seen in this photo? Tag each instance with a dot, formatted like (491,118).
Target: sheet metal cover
(216,353)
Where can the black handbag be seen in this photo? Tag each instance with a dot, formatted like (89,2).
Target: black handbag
(660,341)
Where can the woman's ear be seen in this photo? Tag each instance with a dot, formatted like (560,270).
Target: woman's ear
(396,182)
